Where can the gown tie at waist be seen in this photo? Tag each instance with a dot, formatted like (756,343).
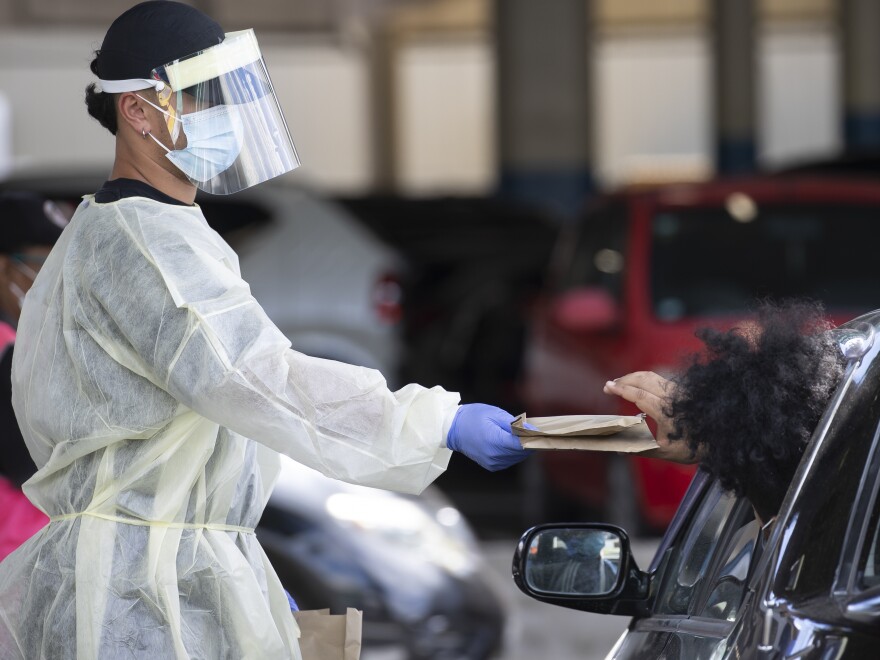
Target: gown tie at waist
(219,527)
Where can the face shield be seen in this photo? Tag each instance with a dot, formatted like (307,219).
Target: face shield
(227,129)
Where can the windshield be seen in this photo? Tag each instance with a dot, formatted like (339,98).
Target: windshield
(710,261)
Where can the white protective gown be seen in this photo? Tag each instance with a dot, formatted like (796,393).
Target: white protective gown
(143,366)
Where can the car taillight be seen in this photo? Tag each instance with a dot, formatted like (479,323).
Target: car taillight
(388,298)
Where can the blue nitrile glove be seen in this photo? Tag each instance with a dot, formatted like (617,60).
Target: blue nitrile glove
(482,433)
(293,605)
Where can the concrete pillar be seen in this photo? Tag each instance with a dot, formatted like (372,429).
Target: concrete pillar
(543,101)
(860,50)
(381,57)
(733,84)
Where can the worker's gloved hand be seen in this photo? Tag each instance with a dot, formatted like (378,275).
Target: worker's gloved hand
(482,433)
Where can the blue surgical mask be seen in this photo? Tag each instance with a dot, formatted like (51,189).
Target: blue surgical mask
(213,142)
(214,138)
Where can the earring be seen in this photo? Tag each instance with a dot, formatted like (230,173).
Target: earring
(144,133)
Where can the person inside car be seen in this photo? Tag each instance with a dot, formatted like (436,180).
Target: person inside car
(745,408)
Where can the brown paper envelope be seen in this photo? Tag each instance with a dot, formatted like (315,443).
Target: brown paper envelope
(620,433)
(578,425)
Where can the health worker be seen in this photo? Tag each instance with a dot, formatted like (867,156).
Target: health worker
(155,395)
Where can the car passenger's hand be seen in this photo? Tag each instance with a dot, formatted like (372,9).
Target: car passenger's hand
(650,392)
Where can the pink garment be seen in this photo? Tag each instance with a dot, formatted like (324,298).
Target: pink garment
(19,519)
(7,335)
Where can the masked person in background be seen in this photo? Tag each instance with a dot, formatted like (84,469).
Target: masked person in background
(155,395)
(31,225)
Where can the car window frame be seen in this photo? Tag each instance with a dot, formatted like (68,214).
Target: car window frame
(739,509)
(698,499)
(784,583)
(744,514)
(681,554)
(604,225)
(856,599)
(770,575)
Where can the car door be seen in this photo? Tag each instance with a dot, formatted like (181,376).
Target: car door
(699,575)
(820,597)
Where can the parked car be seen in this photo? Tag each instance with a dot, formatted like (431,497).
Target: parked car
(720,586)
(474,264)
(326,281)
(643,268)
(411,564)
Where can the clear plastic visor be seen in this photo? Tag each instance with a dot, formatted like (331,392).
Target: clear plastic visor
(225,123)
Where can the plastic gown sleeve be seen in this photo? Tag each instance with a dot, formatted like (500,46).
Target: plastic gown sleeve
(170,286)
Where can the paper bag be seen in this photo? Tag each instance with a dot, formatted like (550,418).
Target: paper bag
(622,433)
(325,636)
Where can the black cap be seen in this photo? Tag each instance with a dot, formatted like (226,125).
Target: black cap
(152,34)
(26,220)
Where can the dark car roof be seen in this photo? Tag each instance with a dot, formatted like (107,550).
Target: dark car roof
(792,188)
(864,163)
(223,213)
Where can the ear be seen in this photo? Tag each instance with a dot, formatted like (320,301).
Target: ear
(132,112)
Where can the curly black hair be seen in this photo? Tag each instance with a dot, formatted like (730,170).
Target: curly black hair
(749,405)
(101,105)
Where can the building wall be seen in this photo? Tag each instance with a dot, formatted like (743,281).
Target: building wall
(651,95)
(322,89)
(445,133)
(799,94)
(653,101)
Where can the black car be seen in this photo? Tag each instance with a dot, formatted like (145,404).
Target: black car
(723,586)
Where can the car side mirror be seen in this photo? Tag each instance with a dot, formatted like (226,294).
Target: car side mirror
(586,567)
(586,309)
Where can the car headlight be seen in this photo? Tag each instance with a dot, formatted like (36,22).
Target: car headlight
(405,525)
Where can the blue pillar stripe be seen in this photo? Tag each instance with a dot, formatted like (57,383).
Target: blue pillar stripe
(861,130)
(735,156)
(563,191)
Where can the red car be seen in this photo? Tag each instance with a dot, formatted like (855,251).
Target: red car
(642,269)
